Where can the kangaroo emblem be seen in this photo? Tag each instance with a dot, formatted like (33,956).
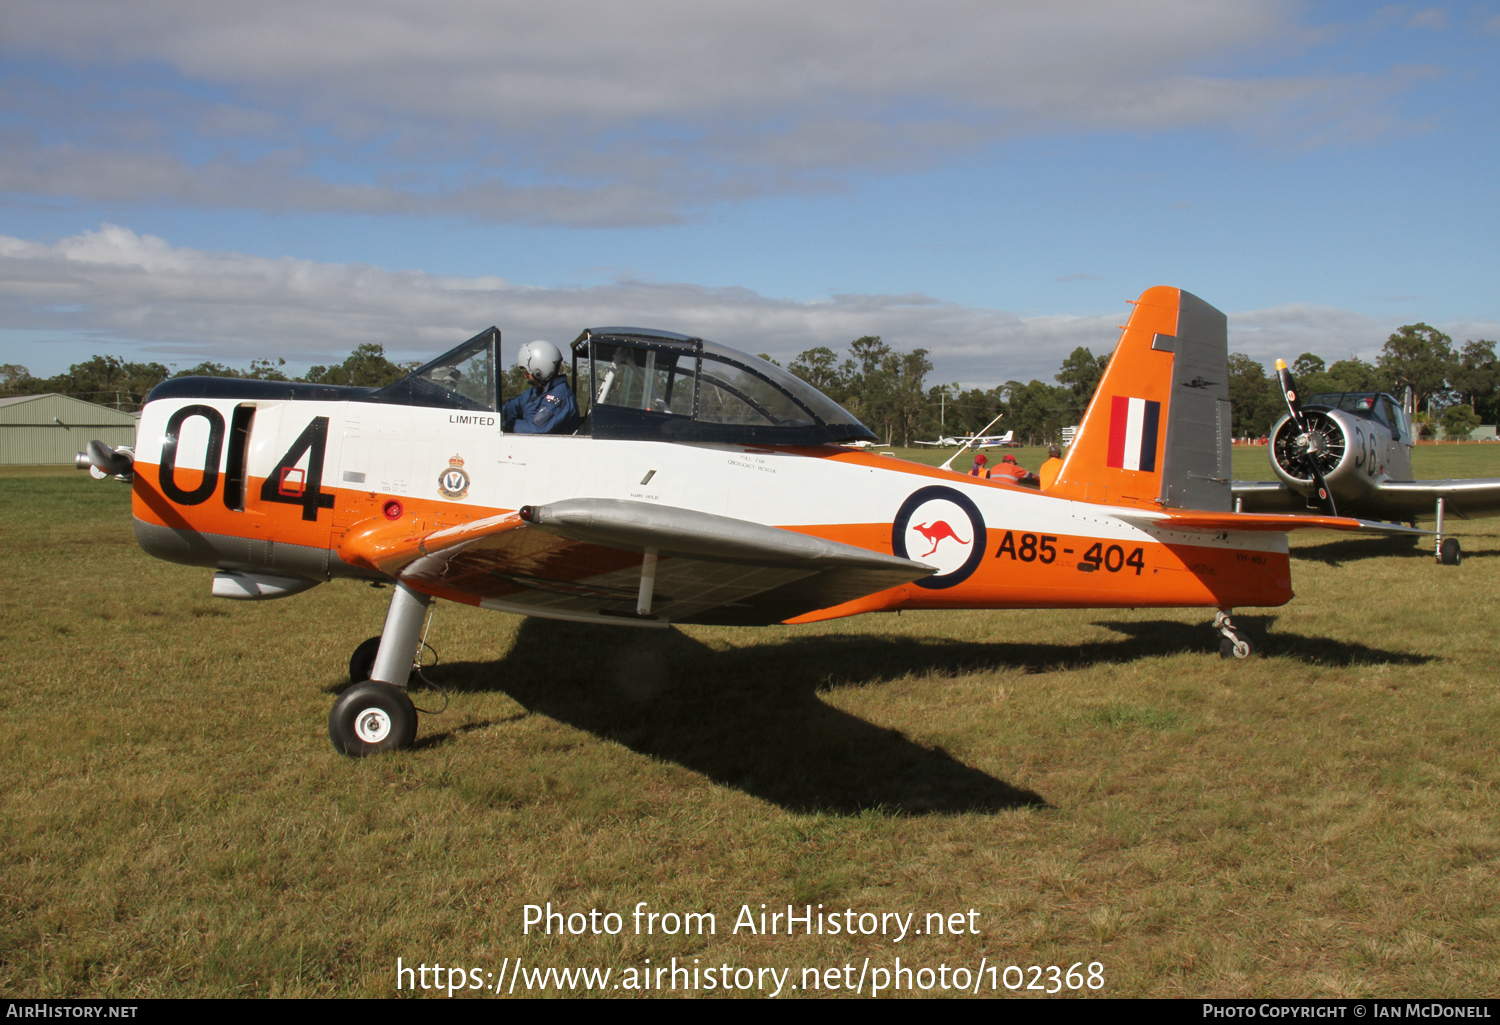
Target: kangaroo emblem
(935,532)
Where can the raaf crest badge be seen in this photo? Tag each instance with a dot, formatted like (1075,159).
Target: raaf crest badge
(454,482)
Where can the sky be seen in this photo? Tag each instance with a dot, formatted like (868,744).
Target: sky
(989,180)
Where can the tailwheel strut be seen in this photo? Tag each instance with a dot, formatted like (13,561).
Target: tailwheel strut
(1233,642)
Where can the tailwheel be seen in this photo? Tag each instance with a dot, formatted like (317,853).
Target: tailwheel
(1237,645)
(363,660)
(1233,642)
(370,718)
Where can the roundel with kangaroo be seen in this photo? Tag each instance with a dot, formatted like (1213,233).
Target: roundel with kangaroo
(941,527)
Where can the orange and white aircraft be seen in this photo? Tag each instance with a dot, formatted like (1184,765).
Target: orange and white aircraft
(705,486)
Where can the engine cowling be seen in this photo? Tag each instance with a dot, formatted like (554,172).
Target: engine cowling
(1342,443)
(1293,452)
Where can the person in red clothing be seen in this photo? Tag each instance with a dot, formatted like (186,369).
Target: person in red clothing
(1009,470)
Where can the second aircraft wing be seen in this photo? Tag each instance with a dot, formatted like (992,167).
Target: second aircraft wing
(1389,500)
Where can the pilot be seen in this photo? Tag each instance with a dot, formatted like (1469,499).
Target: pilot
(1011,471)
(548,406)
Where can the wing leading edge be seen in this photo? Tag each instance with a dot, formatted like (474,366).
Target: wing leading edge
(580,559)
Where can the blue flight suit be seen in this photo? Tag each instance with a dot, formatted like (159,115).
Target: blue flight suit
(549,410)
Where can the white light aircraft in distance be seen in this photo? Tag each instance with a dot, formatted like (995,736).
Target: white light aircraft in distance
(1350,452)
(969,440)
(704,486)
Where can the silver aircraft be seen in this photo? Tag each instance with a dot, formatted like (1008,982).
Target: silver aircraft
(968,440)
(1349,454)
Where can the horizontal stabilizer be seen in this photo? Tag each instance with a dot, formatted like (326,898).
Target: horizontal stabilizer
(1212,522)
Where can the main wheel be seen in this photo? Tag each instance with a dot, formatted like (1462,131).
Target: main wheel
(369,718)
(1237,647)
(1451,554)
(363,660)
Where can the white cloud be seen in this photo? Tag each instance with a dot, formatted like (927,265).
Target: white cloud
(1285,332)
(518,63)
(140,297)
(612,113)
(1433,18)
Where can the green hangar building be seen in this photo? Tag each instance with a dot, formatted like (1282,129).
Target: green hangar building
(54,428)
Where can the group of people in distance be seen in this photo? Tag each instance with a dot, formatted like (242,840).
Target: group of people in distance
(1012,472)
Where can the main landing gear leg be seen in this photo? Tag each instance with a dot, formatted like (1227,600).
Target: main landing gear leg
(375,715)
(1447,550)
(1233,642)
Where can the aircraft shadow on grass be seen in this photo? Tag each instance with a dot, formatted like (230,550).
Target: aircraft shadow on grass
(1165,637)
(750,717)
(1336,553)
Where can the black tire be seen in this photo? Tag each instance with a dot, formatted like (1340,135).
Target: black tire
(363,660)
(1451,554)
(369,718)
(1239,647)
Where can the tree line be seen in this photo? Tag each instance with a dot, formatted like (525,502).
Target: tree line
(1458,389)
(886,387)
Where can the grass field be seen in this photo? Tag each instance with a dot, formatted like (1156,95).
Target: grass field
(1319,820)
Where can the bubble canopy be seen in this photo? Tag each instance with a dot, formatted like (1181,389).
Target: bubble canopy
(631,383)
(640,384)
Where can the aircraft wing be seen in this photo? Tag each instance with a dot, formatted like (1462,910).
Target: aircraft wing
(1267,496)
(1475,496)
(580,559)
(1397,500)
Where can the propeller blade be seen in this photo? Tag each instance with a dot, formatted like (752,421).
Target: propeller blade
(108,459)
(1289,393)
(1325,493)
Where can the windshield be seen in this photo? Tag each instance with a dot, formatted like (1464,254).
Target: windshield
(1364,403)
(461,378)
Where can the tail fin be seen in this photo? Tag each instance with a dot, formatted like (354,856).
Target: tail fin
(1157,432)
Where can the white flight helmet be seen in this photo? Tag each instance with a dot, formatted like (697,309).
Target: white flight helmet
(541,360)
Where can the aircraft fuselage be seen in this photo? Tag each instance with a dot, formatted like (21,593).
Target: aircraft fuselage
(280,486)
